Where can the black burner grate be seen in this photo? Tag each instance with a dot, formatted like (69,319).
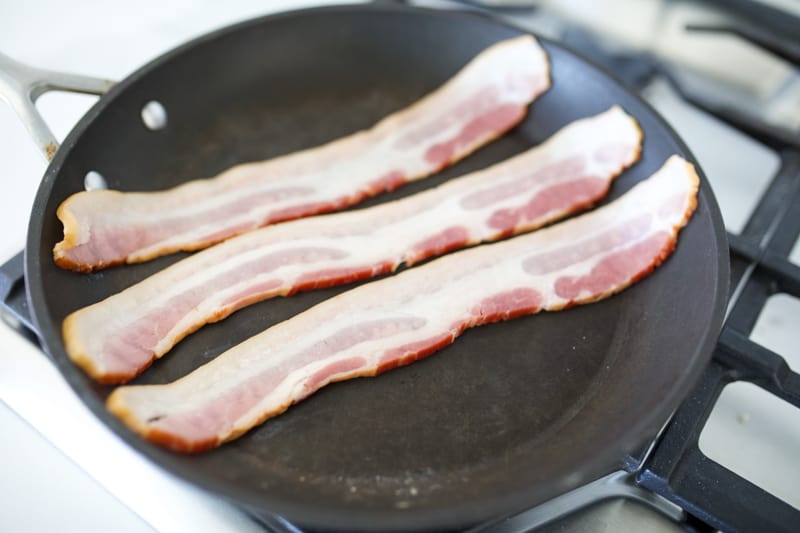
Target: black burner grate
(13,300)
(675,467)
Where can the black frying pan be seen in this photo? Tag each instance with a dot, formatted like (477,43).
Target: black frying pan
(510,415)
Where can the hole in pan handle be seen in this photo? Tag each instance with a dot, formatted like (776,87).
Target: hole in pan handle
(21,85)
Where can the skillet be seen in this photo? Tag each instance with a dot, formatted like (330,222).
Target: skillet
(510,415)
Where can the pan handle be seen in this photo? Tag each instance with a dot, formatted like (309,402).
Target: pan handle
(21,85)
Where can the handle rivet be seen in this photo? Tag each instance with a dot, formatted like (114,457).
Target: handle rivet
(154,115)
(94,181)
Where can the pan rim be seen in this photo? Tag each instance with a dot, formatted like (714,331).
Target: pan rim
(451,516)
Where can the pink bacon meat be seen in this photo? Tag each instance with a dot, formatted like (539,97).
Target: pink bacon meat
(396,321)
(484,100)
(119,337)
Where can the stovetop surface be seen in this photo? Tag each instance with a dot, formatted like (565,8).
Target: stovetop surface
(732,417)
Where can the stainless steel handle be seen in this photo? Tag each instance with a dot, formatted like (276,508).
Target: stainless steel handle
(21,85)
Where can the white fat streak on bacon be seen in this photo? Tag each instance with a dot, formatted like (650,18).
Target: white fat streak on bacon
(119,337)
(486,98)
(397,320)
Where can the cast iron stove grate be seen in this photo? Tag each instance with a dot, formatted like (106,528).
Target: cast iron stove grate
(673,466)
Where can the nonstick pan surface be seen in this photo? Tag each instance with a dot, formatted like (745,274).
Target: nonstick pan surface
(510,415)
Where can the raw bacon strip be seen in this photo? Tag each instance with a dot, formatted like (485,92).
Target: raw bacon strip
(398,320)
(119,337)
(484,100)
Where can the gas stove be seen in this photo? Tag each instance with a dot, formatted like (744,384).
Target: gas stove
(724,74)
